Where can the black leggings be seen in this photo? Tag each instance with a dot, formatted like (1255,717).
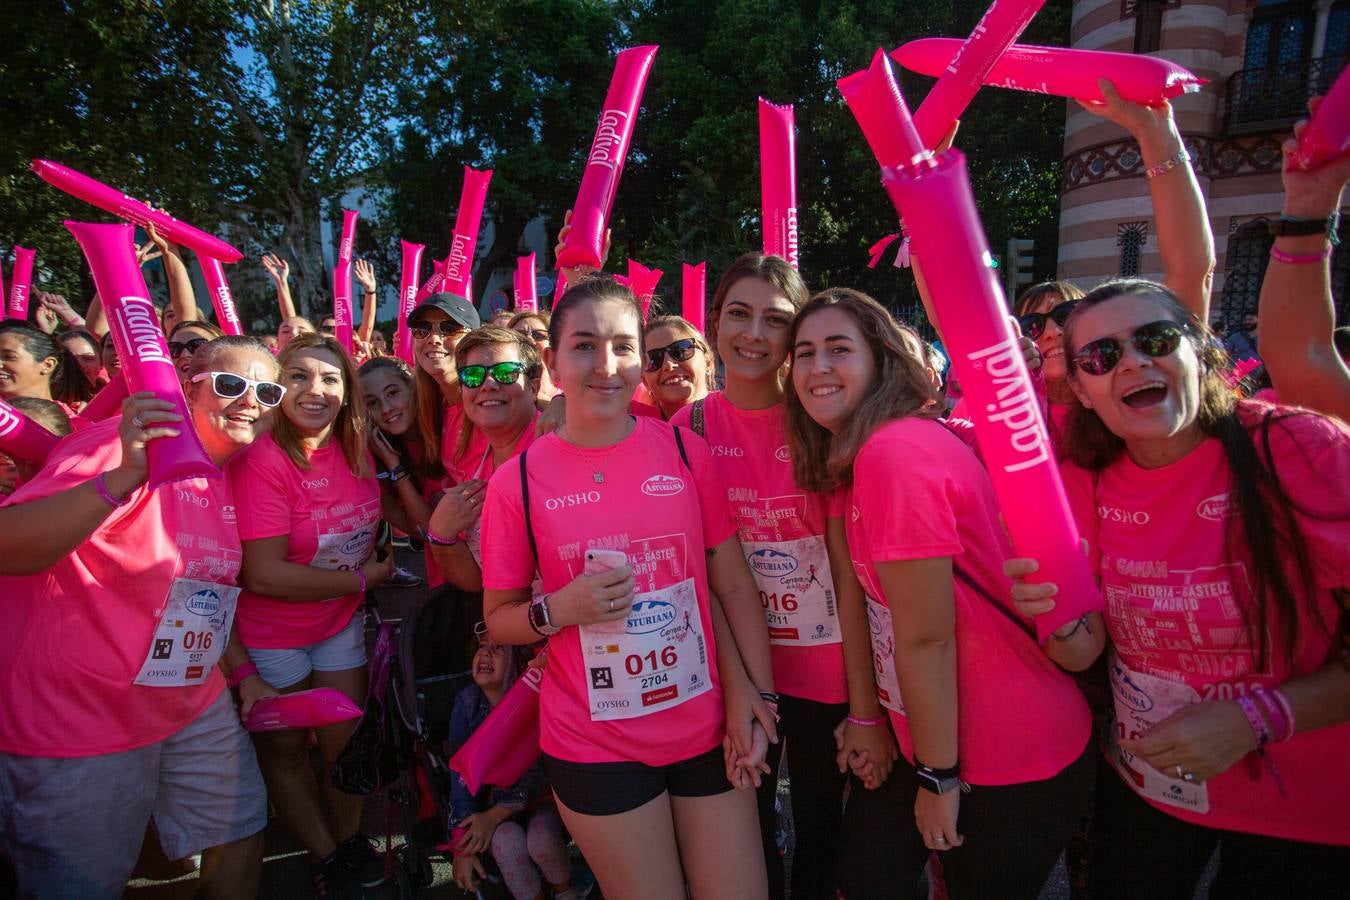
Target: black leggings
(1140,851)
(1013,836)
(817,793)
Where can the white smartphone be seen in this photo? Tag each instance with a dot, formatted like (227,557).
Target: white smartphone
(598,561)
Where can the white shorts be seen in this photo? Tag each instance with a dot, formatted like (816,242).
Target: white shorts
(344,650)
(73,827)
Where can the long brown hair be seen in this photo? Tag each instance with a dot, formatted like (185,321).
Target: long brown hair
(1261,523)
(822,461)
(773,269)
(66,381)
(493,336)
(349,429)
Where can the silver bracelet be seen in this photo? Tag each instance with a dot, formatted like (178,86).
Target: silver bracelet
(1167,165)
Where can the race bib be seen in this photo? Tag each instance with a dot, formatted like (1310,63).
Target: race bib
(191,634)
(654,660)
(796,590)
(345,549)
(1142,701)
(883,656)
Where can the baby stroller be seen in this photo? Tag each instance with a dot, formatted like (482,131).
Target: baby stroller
(416,669)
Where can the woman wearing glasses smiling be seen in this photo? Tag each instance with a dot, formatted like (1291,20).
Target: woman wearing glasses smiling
(309,505)
(533,324)
(679,367)
(185,339)
(111,712)
(1220,530)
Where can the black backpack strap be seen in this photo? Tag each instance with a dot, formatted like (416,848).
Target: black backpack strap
(525,503)
(696,418)
(975,586)
(679,443)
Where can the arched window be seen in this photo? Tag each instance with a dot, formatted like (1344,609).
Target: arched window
(1248,256)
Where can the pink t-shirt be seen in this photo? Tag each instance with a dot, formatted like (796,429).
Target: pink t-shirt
(919,493)
(664,516)
(74,639)
(329,517)
(460,467)
(782,529)
(1174,599)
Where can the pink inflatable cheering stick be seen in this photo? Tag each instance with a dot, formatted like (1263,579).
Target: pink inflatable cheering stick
(526,294)
(119,204)
(108,401)
(778,180)
(1060,71)
(694,293)
(1001,24)
(20,281)
(342,281)
(507,743)
(313,708)
(642,282)
(1328,133)
(407,297)
(3,296)
(22,438)
(941,220)
(221,297)
(146,365)
(600,181)
(458,264)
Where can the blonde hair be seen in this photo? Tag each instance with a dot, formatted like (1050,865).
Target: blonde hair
(349,429)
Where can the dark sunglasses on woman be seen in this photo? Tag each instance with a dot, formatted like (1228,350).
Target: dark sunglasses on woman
(502,373)
(189,347)
(446,328)
(232,386)
(1155,340)
(1033,324)
(679,351)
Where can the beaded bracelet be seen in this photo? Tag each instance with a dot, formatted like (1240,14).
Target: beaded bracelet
(1300,259)
(1167,165)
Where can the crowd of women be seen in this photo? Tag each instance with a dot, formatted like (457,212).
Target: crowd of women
(769,546)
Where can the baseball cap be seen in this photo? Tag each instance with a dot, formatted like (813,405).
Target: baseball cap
(458,308)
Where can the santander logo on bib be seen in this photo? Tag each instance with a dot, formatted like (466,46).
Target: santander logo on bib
(1213,508)
(663,486)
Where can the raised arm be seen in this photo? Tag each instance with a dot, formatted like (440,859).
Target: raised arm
(365,276)
(1296,307)
(181,296)
(1185,240)
(279,270)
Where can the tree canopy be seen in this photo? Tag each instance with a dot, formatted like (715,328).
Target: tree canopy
(252,119)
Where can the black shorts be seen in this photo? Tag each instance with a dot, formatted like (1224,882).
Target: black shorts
(607,789)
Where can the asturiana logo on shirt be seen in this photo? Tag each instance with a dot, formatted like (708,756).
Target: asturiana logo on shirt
(647,616)
(782,454)
(1015,405)
(203,603)
(1213,508)
(771,562)
(663,486)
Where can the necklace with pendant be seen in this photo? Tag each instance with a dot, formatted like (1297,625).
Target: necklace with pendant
(597,475)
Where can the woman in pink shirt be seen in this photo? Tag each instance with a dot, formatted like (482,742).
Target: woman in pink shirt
(1219,529)
(782,533)
(499,377)
(680,366)
(645,680)
(118,602)
(33,364)
(995,733)
(437,325)
(309,507)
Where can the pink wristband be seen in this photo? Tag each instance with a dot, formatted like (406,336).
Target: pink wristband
(1255,720)
(1279,726)
(239,673)
(102,487)
(361,574)
(1288,709)
(1304,259)
(866,723)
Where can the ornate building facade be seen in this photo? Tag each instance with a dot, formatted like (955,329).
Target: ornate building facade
(1262,59)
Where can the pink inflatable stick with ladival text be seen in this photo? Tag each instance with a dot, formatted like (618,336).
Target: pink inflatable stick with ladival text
(134,323)
(941,220)
(458,263)
(141,213)
(600,179)
(694,288)
(22,438)
(20,282)
(1062,72)
(222,300)
(407,297)
(507,743)
(778,180)
(342,281)
(1002,23)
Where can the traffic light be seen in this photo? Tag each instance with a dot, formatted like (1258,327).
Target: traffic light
(1017,265)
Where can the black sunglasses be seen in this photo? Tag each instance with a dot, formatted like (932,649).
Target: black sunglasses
(445,328)
(1033,324)
(534,334)
(231,386)
(502,373)
(189,347)
(680,351)
(1155,340)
